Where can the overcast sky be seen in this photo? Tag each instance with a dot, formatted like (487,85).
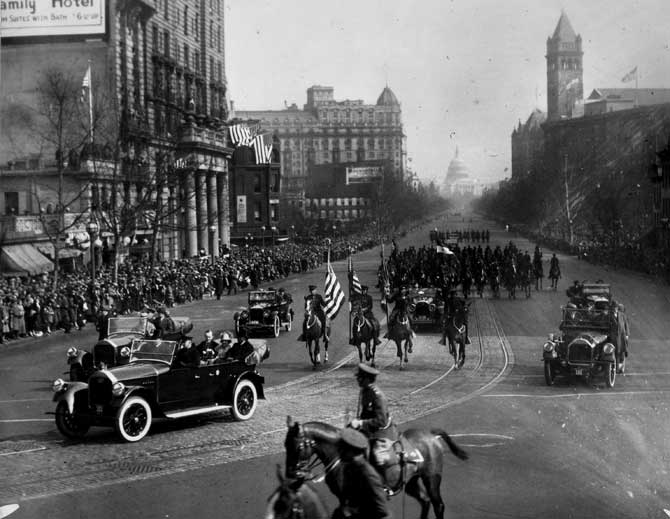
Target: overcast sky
(464,71)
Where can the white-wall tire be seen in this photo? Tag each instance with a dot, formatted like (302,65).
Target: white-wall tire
(133,420)
(245,400)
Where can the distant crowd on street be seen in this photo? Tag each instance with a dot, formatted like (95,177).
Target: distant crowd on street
(29,306)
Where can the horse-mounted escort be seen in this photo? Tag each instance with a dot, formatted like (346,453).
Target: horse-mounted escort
(155,384)
(315,327)
(267,311)
(455,327)
(114,349)
(593,336)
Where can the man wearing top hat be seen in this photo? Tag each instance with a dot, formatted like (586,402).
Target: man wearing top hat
(318,305)
(362,495)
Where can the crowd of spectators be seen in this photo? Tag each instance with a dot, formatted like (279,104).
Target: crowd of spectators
(30,307)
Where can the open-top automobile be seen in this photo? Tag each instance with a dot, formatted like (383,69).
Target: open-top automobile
(425,307)
(152,385)
(265,313)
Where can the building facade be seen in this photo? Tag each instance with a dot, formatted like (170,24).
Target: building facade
(328,131)
(159,104)
(528,145)
(564,70)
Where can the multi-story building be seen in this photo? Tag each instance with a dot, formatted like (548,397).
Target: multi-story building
(564,70)
(157,72)
(528,145)
(327,131)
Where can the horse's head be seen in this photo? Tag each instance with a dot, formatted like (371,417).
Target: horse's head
(309,307)
(309,444)
(294,500)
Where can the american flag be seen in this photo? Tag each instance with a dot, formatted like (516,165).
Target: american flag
(85,84)
(333,294)
(263,151)
(354,282)
(240,135)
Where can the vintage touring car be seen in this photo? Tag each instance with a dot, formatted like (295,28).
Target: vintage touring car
(593,338)
(426,307)
(265,313)
(153,386)
(114,350)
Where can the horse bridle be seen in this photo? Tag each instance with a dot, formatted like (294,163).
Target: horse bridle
(307,460)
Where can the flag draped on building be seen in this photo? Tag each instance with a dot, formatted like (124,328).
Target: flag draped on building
(333,294)
(354,282)
(263,151)
(630,76)
(240,135)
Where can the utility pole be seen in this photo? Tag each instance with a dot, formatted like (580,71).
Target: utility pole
(567,197)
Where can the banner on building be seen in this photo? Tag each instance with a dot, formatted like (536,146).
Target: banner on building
(27,18)
(364,174)
(241,209)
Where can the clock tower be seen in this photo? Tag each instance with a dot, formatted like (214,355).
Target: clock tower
(564,70)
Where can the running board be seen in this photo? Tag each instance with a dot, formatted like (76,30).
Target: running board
(196,410)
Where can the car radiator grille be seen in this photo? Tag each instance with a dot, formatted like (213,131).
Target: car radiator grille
(256,314)
(422,309)
(100,390)
(104,353)
(580,352)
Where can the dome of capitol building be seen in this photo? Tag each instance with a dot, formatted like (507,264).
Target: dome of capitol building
(458,170)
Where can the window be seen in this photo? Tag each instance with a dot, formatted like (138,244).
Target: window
(187,52)
(274,211)
(166,43)
(186,21)
(257,211)
(166,11)
(218,39)
(275,182)
(257,182)
(211,67)
(154,35)
(196,26)
(11,202)
(211,33)
(196,64)
(220,72)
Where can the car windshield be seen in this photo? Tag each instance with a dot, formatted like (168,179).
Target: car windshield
(262,297)
(586,318)
(127,325)
(161,351)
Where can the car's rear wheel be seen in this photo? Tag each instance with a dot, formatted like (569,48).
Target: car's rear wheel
(133,419)
(244,400)
(289,321)
(276,326)
(549,373)
(610,374)
(69,424)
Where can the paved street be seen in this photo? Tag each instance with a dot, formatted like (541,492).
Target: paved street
(572,450)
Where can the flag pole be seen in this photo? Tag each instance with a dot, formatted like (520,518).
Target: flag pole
(349,276)
(90,103)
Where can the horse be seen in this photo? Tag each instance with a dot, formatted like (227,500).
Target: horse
(525,279)
(313,332)
(554,274)
(421,460)
(509,279)
(480,280)
(399,331)
(538,273)
(363,333)
(453,332)
(466,283)
(293,499)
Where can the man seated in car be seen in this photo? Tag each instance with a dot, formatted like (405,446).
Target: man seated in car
(188,355)
(241,349)
(225,343)
(207,348)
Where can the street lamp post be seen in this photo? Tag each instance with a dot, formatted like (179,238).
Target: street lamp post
(274,231)
(292,232)
(212,246)
(263,235)
(92,229)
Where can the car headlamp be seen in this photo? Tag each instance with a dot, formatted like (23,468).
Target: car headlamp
(549,347)
(71,352)
(412,307)
(266,313)
(608,349)
(118,388)
(431,307)
(125,352)
(244,314)
(58,385)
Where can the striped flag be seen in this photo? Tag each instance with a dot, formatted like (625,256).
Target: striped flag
(240,135)
(86,84)
(441,249)
(630,76)
(354,282)
(333,295)
(263,151)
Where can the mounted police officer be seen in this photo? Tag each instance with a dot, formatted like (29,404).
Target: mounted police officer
(362,495)
(400,302)
(318,305)
(452,306)
(366,307)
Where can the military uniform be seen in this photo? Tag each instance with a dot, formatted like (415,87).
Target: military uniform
(318,305)
(366,302)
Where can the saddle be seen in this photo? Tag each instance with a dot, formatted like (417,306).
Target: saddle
(395,460)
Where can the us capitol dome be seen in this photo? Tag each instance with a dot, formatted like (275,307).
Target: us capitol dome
(457,180)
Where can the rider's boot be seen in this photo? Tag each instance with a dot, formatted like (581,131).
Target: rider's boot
(325,357)
(376,335)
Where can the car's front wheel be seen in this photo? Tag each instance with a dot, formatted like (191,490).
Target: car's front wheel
(133,419)
(610,374)
(244,400)
(289,321)
(549,373)
(69,424)
(275,326)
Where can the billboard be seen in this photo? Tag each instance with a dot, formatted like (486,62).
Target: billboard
(29,18)
(241,209)
(363,174)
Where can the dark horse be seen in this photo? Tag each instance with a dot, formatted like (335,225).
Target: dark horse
(420,475)
(538,273)
(554,274)
(494,280)
(363,333)
(510,278)
(313,333)
(453,332)
(294,499)
(480,280)
(399,331)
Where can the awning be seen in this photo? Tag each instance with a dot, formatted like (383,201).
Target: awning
(24,258)
(69,253)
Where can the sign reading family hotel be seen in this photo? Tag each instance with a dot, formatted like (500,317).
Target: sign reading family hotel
(22,18)
(363,175)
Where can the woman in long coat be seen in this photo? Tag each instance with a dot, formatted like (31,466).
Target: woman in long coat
(17,322)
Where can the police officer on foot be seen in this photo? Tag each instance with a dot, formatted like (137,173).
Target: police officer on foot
(363,495)
(366,307)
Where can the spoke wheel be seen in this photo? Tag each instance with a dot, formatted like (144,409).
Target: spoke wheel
(69,424)
(244,400)
(289,323)
(276,326)
(133,419)
(549,373)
